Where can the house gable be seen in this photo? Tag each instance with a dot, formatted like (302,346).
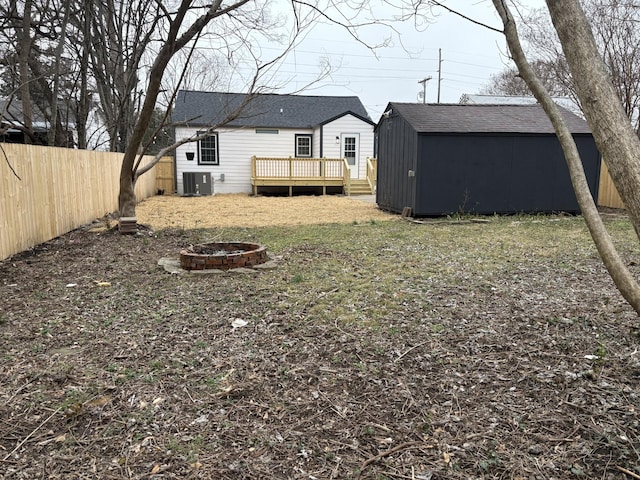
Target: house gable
(360,117)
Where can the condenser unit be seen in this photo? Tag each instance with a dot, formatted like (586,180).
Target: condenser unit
(197,183)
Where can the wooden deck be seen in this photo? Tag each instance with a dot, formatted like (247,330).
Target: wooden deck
(299,172)
(293,172)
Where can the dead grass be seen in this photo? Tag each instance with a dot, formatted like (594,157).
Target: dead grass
(376,350)
(249,211)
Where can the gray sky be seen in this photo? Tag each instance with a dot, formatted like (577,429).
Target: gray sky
(470,55)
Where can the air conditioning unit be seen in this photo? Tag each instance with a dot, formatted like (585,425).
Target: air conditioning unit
(197,183)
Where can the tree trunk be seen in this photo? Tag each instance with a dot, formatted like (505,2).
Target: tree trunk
(127,196)
(625,282)
(612,130)
(84,101)
(23,65)
(54,137)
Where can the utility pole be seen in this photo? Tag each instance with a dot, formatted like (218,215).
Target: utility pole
(439,71)
(424,88)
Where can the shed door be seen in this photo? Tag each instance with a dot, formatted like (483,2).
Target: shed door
(351,151)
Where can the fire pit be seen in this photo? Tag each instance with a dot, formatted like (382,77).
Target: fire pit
(222,255)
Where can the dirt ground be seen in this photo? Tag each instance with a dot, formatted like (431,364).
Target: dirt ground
(249,211)
(373,350)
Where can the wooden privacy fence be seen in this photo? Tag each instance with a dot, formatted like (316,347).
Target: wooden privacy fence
(165,178)
(59,189)
(607,193)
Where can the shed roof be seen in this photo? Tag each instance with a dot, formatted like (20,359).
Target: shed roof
(482,118)
(264,110)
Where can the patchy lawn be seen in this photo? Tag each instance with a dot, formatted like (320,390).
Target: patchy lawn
(375,350)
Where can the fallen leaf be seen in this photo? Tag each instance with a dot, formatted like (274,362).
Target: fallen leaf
(238,322)
(103,284)
(201,419)
(98,402)
(446,457)
(155,469)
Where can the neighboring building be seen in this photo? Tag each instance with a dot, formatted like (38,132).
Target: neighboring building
(12,121)
(270,125)
(440,159)
(564,102)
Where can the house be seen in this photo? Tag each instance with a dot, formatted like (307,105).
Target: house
(12,128)
(11,124)
(440,159)
(276,142)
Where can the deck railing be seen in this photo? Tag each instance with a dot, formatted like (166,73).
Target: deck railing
(291,172)
(372,173)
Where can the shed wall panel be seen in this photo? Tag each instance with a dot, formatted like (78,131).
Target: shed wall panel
(397,157)
(487,174)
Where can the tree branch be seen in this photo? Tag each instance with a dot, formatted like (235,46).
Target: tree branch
(434,2)
(6,159)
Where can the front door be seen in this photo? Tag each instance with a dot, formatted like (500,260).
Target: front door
(350,151)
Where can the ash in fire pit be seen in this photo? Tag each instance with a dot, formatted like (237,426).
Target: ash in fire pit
(222,255)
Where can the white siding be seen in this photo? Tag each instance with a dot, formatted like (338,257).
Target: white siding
(236,146)
(315,143)
(345,125)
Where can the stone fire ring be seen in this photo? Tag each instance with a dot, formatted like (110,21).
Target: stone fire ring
(223,256)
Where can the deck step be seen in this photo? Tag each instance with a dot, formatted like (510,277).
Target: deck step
(360,187)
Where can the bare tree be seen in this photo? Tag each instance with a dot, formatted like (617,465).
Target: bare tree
(510,82)
(607,117)
(615,26)
(81,91)
(56,127)
(120,36)
(590,67)
(23,51)
(35,68)
(236,26)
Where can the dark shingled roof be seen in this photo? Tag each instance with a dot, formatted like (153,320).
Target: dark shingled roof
(479,118)
(265,110)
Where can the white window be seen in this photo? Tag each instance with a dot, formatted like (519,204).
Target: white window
(303,145)
(208,150)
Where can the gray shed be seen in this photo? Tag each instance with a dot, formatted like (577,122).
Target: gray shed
(440,159)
